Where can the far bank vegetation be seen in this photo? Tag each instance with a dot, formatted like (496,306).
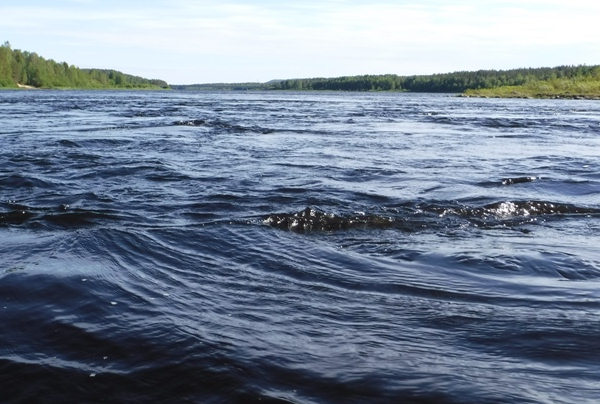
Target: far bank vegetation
(566,81)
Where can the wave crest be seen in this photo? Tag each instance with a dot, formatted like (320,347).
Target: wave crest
(311,219)
(418,217)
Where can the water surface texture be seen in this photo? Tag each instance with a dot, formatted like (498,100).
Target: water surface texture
(298,248)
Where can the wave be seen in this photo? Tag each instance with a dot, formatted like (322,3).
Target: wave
(406,217)
(20,181)
(311,219)
(488,122)
(505,125)
(518,180)
(219,124)
(523,208)
(68,143)
(190,122)
(63,216)
(419,217)
(510,181)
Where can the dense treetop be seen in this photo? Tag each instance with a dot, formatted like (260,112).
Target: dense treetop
(28,68)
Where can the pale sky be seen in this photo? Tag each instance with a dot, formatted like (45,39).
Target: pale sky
(204,41)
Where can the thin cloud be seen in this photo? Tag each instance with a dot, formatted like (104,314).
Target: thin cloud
(208,40)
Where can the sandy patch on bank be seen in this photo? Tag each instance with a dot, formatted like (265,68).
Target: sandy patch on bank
(25,86)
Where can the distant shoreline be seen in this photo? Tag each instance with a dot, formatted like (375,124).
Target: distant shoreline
(561,82)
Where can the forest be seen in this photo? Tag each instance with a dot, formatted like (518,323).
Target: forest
(456,82)
(29,69)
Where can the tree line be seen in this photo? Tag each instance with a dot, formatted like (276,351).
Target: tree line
(30,69)
(456,82)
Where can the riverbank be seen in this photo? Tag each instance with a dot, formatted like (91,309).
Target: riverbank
(588,89)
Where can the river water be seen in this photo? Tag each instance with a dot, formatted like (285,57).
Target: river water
(298,248)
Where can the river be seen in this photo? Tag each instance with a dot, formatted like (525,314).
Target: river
(298,248)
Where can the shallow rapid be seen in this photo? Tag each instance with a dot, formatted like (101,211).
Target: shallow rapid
(298,247)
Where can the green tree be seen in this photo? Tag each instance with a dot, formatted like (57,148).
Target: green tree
(6,79)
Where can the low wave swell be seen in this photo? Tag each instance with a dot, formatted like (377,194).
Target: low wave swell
(62,216)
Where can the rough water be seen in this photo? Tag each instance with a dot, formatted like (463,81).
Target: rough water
(298,248)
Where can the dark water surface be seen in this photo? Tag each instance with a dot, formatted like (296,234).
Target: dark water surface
(298,247)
